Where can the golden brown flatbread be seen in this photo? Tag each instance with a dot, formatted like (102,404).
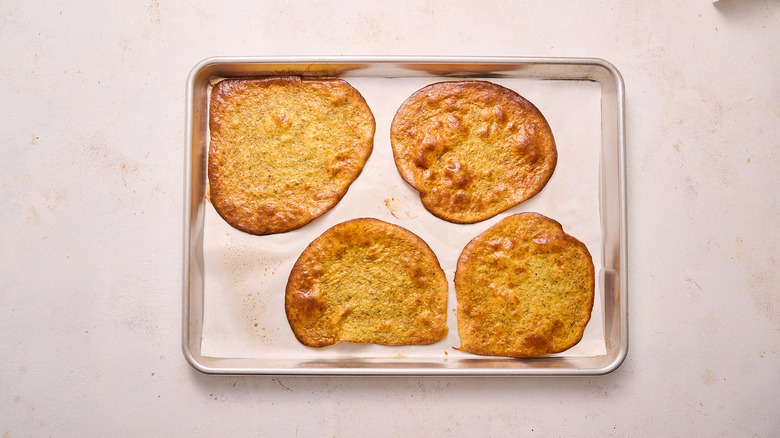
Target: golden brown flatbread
(367,281)
(284,150)
(472,149)
(524,288)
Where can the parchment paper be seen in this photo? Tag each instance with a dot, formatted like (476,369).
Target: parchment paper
(245,275)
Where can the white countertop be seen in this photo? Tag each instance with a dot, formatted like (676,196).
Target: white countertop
(92,137)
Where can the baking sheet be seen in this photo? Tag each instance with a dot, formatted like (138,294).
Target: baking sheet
(246,275)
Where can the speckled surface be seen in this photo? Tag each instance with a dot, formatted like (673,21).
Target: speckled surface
(92,135)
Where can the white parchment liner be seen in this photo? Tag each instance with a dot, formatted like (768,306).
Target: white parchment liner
(245,275)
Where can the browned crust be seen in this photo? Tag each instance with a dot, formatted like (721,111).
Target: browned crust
(472,149)
(284,150)
(367,281)
(524,288)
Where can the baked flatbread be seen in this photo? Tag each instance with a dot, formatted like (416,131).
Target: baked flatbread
(472,149)
(367,281)
(284,150)
(524,288)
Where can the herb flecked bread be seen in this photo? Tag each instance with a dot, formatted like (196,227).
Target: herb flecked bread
(367,281)
(472,149)
(284,150)
(524,288)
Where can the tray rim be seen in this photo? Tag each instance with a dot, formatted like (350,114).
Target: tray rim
(622,280)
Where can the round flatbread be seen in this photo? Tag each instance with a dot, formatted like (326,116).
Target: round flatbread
(284,150)
(367,281)
(524,288)
(472,149)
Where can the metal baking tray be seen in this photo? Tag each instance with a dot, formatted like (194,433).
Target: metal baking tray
(386,82)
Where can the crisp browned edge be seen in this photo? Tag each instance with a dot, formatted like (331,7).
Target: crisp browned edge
(296,273)
(552,223)
(223,210)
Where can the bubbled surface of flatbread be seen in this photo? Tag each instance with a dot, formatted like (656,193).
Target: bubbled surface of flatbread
(524,288)
(367,281)
(284,150)
(472,149)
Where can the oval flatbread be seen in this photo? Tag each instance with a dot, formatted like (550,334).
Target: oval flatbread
(367,281)
(472,149)
(284,150)
(524,288)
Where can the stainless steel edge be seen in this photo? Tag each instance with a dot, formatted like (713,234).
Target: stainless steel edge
(623,221)
(188,355)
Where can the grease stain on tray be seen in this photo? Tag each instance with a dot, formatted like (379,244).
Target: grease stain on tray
(244,265)
(253,308)
(398,208)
